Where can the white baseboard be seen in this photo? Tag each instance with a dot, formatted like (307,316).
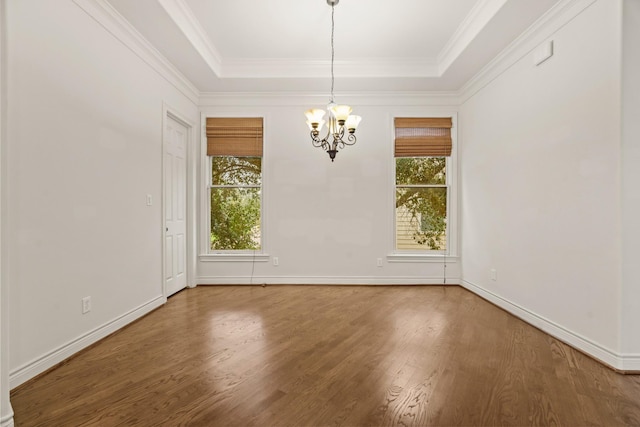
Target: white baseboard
(630,363)
(7,421)
(627,363)
(48,360)
(325,280)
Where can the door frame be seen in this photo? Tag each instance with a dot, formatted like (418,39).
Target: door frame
(168,112)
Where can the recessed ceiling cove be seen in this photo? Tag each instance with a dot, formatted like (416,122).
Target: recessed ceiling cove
(381,45)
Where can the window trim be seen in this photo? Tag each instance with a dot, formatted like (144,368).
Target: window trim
(230,255)
(234,257)
(451,253)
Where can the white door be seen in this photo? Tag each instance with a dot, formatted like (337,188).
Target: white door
(175,206)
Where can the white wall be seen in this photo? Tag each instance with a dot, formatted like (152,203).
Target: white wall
(546,199)
(84,149)
(630,180)
(540,168)
(328,222)
(6,411)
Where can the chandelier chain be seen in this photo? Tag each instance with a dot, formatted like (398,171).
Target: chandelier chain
(341,125)
(332,50)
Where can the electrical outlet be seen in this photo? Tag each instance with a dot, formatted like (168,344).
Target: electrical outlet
(493,274)
(379,262)
(86,305)
(275,261)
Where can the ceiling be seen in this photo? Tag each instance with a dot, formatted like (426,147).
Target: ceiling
(284,45)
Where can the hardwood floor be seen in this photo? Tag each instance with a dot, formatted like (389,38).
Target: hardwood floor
(329,355)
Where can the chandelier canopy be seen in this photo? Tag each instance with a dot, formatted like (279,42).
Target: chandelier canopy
(340,120)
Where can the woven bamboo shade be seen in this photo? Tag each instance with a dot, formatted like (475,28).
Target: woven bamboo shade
(423,137)
(234,136)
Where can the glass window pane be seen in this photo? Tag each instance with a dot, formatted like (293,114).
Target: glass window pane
(232,170)
(421,218)
(235,218)
(421,170)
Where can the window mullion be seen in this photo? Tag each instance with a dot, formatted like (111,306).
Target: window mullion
(234,186)
(422,185)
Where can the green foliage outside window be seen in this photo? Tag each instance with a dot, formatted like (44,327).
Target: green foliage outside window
(235,203)
(421,201)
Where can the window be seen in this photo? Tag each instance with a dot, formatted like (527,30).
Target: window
(422,153)
(234,147)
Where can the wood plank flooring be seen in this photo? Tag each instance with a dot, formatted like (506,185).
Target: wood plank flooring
(329,356)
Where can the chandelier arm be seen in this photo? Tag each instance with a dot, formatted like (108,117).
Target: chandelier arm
(316,142)
(320,143)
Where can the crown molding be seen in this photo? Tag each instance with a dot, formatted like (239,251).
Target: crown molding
(186,20)
(475,21)
(360,68)
(419,99)
(112,21)
(188,23)
(547,25)
(479,16)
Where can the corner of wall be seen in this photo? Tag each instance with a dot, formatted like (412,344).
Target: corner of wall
(6,411)
(493,85)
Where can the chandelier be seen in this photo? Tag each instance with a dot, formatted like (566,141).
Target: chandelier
(341,121)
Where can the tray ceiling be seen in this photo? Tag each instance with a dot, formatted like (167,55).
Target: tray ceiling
(284,45)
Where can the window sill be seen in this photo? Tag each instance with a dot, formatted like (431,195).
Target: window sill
(439,258)
(228,257)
